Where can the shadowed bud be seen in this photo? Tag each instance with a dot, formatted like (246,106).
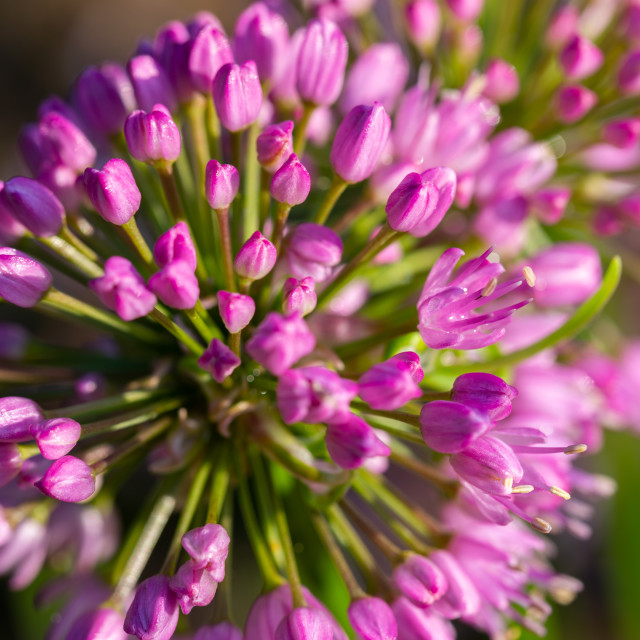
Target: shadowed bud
(629,75)
(372,619)
(502,82)
(461,597)
(17,416)
(291,183)
(150,83)
(573,102)
(23,280)
(351,441)
(280,341)
(218,360)
(152,137)
(56,437)
(322,60)
(236,310)
(256,257)
(450,427)
(424,21)
(221,184)
(304,623)
(417,623)
(208,547)
(313,250)
(580,58)
(466,10)
(10,229)
(420,580)
(299,296)
(176,285)
(485,393)
(175,244)
(210,50)
(153,614)
(237,95)
(222,631)
(68,479)
(359,141)
(391,384)
(275,145)
(113,191)
(32,205)
(99,624)
(193,587)
(123,289)
(623,133)
(411,203)
(10,464)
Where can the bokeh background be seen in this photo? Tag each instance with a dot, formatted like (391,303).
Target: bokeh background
(44,44)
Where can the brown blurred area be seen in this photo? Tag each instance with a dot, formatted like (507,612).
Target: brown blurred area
(45,44)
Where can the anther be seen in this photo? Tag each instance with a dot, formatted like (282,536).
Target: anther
(541,525)
(561,493)
(529,276)
(523,488)
(575,448)
(490,287)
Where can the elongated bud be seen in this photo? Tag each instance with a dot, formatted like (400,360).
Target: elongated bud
(275,145)
(222,631)
(23,280)
(629,74)
(563,25)
(237,95)
(424,21)
(98,624)
(175,244)
(291,183)
(236,310)
(210,50)
(359,141)
(256,257)
(10,464)
(153,614)
(445,180)
(32,205)
(624,133)
(372,619)
(466,10)
(219,360)
(17,416)
(221,184)
(485,393)
(391,384)
(304,623)
(152,137)
(299,296)
(113,191)
(10,229)
(208,547)
(56,437)
(420,580)
(176,285)
(502,82)
(313,250)
(322,60)
(580,58)
(150,83)
(68,479)
(573,102)
(422,624)
(461,597)
(351,441)
(193,587)
(549,204)
(411,203)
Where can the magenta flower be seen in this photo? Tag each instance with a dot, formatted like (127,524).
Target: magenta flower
(275,145)
(256,257)
(219,360)
(221,184)
(153,614)
(391,384)
(56,437)
(175,244)
(237,95)
(152,137)
(68,479)
(23,281)
(236,310)
(17,416)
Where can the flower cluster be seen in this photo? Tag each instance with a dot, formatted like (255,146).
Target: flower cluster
(252,246)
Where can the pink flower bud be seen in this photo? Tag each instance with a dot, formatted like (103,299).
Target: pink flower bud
(485,393)
(221,184)
(17,416)
(32,205)
(580,58)
(299,296)
(103,624)
(466,10)
(623,133)
(113,191)
(68,479)
(237,95)
(422,624)
(175,244)
(256,257)
(502,82)
(424,21)
(322,60)
(153,614)
(10,229)
(222,631)
(359,141)
(275,145)
(210,50)
(23,281)
(10,464)
(420,580)
(193,587)
(629,74)
(236,310)
(351,441)
(219,360)
(549,204)
(461,597)
(56,437)
(152,137)
(312,251)
(208,547)
(563,25)
(150,83)
(291,183)
(176,285)
(573,102)
(304,623)
(372,619)
(411,203)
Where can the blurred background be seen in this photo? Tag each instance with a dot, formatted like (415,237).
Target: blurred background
(45,44)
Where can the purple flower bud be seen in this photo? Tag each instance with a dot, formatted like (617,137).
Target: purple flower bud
(175,244)
(113,191)
(466,10)
(372,619)
(291,183)
(201,20)
(313,394)
(280,341)
(420,580)
(10,229)
(485,393)
(411,203)
(563,25)
(350,441)
(10,464)
(262,35)
(65,184)
(173,48)
(153,614)
(549,204)
(104,96)
(461,597)
(193,587)
(312,251)
(275,145)
(489,464)
(219,360)
(32,205)
(17,416)
(98,624)
(359,141)
(222,631)
(68,479)
(23,281)
(623,133)
(237,95)
(150,83)
(566,273)
(629,75)
(256,257)
(445,180)
(236,310)
(210,50)
(450,427)
(208,547)
(424,21)
(152,137)
(391,384)
(221,184)
(503,84)
(322,60)
(123,289)
(304,623)
(56,437)
(299,296)
(176,285)
(580,58)
(417,623)
(573,102)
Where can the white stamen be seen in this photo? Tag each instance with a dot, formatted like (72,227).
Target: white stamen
(575,448)
(529,276)
(561,493)
(541,525)
(523,488)
(489,288)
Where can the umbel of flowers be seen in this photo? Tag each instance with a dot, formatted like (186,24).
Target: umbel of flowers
(313,293)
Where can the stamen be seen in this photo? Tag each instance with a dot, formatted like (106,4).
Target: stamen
(561,493)
(575,448)
(541,525)
(489,288)
(529,276)
(523,488)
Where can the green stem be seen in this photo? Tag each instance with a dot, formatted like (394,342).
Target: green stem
(201,325)
(400,416)
(251,177)
(282,213)
(170,189)
(338,185)
(427,472)
(74,241)
(72,255)
(265,196)
(219,484)
(193,345)
(300,130)
(389,548)
(213,129)
(139,243)
(227,248)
